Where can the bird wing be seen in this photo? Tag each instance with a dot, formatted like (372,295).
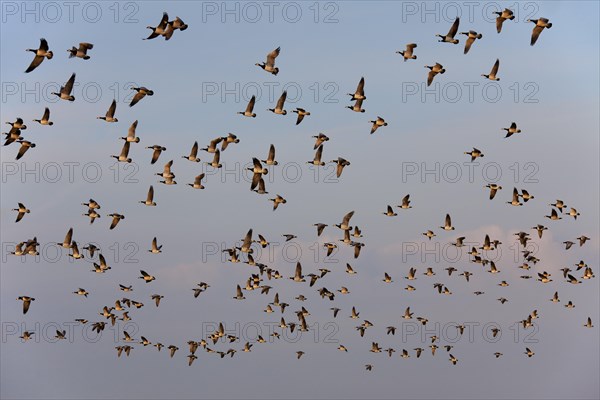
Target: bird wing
(281,101)
(37,60)
(69,85)
(138,96)
(360,89)
(536,33)
(46,115)
(150,196)
(495,68)
(468,43)
(111,110)
(272,56)
(125,149)
(250,105)
(132,128)
(454,28)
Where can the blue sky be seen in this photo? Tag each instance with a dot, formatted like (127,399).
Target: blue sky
(550,90)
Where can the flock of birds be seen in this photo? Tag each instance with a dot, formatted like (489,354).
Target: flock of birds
(264,276)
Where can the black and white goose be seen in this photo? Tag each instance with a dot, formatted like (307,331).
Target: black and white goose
(540,24)
(492,76)
(22,210)
(433,71)
(408,53)
(378,123)
(249,108)
(193,156)
(81,51)
(149,198)
(503,16)
(279,106)
(40,53)
(197,182)
(471,37)
(157,150)
(449,38)
(124,156)
(301,114)
(271,156)
(110,114)
(45,118)
(359,94)
(269,65)
(141,93)
(65,91)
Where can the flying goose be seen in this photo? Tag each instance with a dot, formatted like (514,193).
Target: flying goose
(357,107)
(141,93)
(76,255)
(216,158)
(277,200)
(279,107)
(249,108)
(447,224)
(471,36)
(582,239)
(247,242)
(320,228)
(526,196)
(18,124)
(301,114)
(387,278)
(449,38)
(433,71)
(407,314)
(492,75)
(146,277)
(560,205)
(493,189)
(429,234)
(67,242)
(390,212)
(529,352)
(408,53)
(197,182)
(345,225)
(65,91)
(157,298)
(26,302)
(239,295)
(503,16)
(230,138)
(341,163)
(359,94)
(257,172)
(162,29)
(271,156)
(177,23)
(475,153)
(572,213)
(40,53)
(155,248)
(157,150)
(123,157)
(12,136)
(269,66)
(80,52)
(553,215)
(22,210)
(379,122)
(110,114)
(92,214)
(317,159)
(511,130)
(60,335)
(150,198)
(453,359)
(212,147)
(405,202)
(115,219)
(194,153)
(540,24)
(588,324)
(131,133)
(26,335)
(45,118)
(26,145)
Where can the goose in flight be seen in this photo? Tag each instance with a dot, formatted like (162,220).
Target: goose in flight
(12,136)
(110,114)
(162,29)
(407,314)
(449,38)
(359,94)
(197,182)
(471,37)
(503,16)
(249,108)
(493,189)
(22,210)
(277,201)
(226,140)
(475,153)
(67,242)
(572,213)
(357,107)
(540,24)
(559,204)
(408,53)
(345,225)
(40,53)
(26,302)
(247,242)
(115,219)
(529,352)
(193,156)
(341,163)
(269,65)
(279,107)
(45,118)
(123,157)
(588,324)
(553,215)
(298,277)
(261,187)
(320,228)
(390,212)
(177,23)
(511,130)
(317,159)
(150,198)
(453,359)
(239,295)
(321,138)
(157,298)
(76,255)
(429,234)
(492,76)
(301,114)
(212,146)
(26,145)
(433,71)
(92,214)
(271,156)
(146,277)
(65,91)
(526,196)
(379,122)
(157,150)
(216,158)
(582,239)
(447,224)
(80,52)
(131,133)
(141,93)
(18,124)
(81,292)
(405,202)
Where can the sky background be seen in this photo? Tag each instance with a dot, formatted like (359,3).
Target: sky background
(551,91)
